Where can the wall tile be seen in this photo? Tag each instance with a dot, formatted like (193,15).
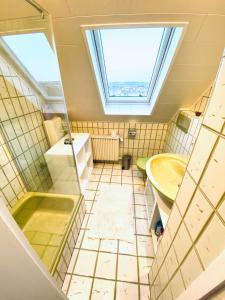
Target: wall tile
(191,268)
(214,117)
(147,142)
(214,186)
(171,262)
(174,221)
(182,243)
(163,275)
(204,145)
(221,209)
(22,132)
(198,214)
(166,241)
(166,295)
(177,285)
(185,193)
(212,242)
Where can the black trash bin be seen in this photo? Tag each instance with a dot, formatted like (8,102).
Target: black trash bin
(126,162)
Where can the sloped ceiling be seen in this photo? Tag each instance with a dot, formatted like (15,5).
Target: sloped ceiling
(16,9)
(194,68)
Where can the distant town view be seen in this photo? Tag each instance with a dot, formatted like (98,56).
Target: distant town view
(128,89)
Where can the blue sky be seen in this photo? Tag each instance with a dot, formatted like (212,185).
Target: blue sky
(35,53)
(130,54)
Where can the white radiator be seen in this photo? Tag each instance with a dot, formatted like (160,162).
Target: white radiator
(105,147)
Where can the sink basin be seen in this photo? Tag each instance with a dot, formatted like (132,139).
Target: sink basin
(165,172)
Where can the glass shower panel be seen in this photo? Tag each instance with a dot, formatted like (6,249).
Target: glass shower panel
(31,160)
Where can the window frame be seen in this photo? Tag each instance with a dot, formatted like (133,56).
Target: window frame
(99,52)
(20,67)
(134,109)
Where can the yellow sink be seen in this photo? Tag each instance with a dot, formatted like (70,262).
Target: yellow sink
(165,171)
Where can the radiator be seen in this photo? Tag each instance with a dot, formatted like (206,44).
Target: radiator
(105,148)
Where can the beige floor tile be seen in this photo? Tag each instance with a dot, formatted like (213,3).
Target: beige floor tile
(116,179)
(89,243)
(139,189)
(105,178)
(126,172)
(72,261)
(137,174)
(88,205)
(108,246)
(139,199)
(117,166)
(140,211)
(127,248)
(94,206)
(89,195)
(138,180)
(130,186)
(145,292)
(106,171)
(116,172)
(108,166)
(127,179)
(142,227)
(106,266)
(127,268)
(92,185)
(126,291)
(145,246)
(80,288)
(144,265)
(90,221)
(85,263)
(95,177)
(103,290)
(102,185)
(97,171)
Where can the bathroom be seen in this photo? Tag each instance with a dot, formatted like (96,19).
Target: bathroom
(112,142)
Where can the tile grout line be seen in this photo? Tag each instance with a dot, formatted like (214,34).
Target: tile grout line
(117,266)
(96,262)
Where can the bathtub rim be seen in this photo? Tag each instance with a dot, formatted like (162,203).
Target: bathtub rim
(76,198)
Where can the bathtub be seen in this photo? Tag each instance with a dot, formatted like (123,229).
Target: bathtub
(51,223)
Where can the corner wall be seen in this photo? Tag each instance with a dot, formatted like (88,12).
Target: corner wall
(176,140)
(195,233)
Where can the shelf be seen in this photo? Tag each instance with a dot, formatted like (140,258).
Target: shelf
(161,210)
(82,165)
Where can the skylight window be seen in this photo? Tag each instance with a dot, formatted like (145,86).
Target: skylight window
(130,64)
(34,53)
(129,59)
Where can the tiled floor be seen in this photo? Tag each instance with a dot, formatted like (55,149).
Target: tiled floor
(112,269)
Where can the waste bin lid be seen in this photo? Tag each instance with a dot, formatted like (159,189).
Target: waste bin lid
(141,163)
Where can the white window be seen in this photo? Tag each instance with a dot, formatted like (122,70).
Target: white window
(34,55)
(130,65)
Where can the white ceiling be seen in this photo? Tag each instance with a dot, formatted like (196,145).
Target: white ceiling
(194,68)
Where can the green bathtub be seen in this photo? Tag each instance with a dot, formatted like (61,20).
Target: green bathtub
(47,221)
